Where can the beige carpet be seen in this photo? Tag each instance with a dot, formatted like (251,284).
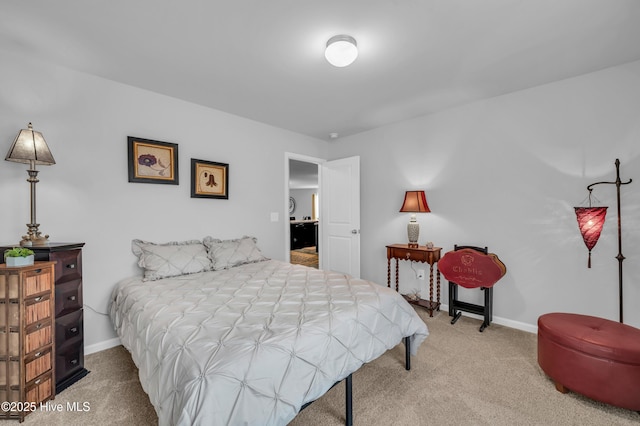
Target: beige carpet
(305,256)
(460,377)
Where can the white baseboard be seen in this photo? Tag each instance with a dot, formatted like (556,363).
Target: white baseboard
(101,346)
(499,320)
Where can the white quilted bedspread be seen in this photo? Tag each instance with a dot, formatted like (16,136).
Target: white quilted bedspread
(250,345)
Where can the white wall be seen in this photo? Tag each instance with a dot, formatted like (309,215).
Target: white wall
(86,196)
(506,173)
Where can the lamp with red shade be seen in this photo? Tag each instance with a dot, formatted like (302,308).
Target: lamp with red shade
(414,202)
(591,220)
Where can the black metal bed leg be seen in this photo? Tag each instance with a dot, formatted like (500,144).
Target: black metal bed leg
(348,401)
(407,354)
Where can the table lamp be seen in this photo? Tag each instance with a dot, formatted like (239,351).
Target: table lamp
(31,148)
(414,202)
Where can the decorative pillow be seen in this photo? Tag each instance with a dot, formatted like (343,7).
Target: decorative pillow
(229,253)
(171,259)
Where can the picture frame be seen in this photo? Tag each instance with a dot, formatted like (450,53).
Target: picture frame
(152,161)
(209,179)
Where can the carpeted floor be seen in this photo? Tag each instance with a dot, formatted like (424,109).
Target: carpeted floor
(305,256)
(459,377)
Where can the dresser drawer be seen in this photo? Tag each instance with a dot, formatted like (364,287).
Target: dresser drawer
(429,256)
(68,266)
(69,360)
(40,389)
(400,253)
(36,281)
(37,309)
(69,330)
(37,363)
(68,297)
(37,336)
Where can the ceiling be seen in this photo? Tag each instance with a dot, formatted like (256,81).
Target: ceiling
(264,59)
(303,175)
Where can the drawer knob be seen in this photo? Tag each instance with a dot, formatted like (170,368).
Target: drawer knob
(39,298)
(71,266)
(39,326)
(72,298)
(37,271)
(74,361)
(408,255)
(37,382)
(73,329)
(37,354)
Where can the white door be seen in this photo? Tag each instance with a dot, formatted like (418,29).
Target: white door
(340,215)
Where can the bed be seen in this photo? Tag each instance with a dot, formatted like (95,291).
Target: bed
(246,340)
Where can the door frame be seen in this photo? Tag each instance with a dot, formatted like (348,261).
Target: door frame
(287,226)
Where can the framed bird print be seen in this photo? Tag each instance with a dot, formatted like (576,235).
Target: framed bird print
(209,179)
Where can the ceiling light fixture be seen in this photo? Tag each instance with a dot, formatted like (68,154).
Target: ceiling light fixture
(341,50)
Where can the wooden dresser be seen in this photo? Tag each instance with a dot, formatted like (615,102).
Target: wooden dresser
(27,352)
(69,311)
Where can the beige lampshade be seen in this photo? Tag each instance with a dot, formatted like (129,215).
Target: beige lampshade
(29,147)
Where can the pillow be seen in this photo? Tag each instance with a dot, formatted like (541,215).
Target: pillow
(229,253)
(170,259)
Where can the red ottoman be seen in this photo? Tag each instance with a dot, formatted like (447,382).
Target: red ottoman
(595,357)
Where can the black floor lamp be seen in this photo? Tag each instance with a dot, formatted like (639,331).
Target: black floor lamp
(591,220)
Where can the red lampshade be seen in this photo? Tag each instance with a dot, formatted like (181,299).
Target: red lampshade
(415,202)
(590,222)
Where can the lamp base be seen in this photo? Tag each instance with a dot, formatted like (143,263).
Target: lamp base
(413,245)
(413,232)
(34,237)
(40,241)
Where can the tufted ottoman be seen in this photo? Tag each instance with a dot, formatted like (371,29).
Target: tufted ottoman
(592,356)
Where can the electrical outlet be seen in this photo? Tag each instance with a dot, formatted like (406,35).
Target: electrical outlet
(420,274)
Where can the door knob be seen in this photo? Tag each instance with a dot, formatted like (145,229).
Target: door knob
(355,231)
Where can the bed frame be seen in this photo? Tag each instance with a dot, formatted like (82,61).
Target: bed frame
(348,403)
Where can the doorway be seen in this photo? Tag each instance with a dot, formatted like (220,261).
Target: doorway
(337,236)
(304,207)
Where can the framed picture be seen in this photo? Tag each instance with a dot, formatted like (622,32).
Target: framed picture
(209,179)
(152,161)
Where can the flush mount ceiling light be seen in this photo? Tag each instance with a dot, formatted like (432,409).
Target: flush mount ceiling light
(341,50)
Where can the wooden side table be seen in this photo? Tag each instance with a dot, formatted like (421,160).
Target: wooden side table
(417,254)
